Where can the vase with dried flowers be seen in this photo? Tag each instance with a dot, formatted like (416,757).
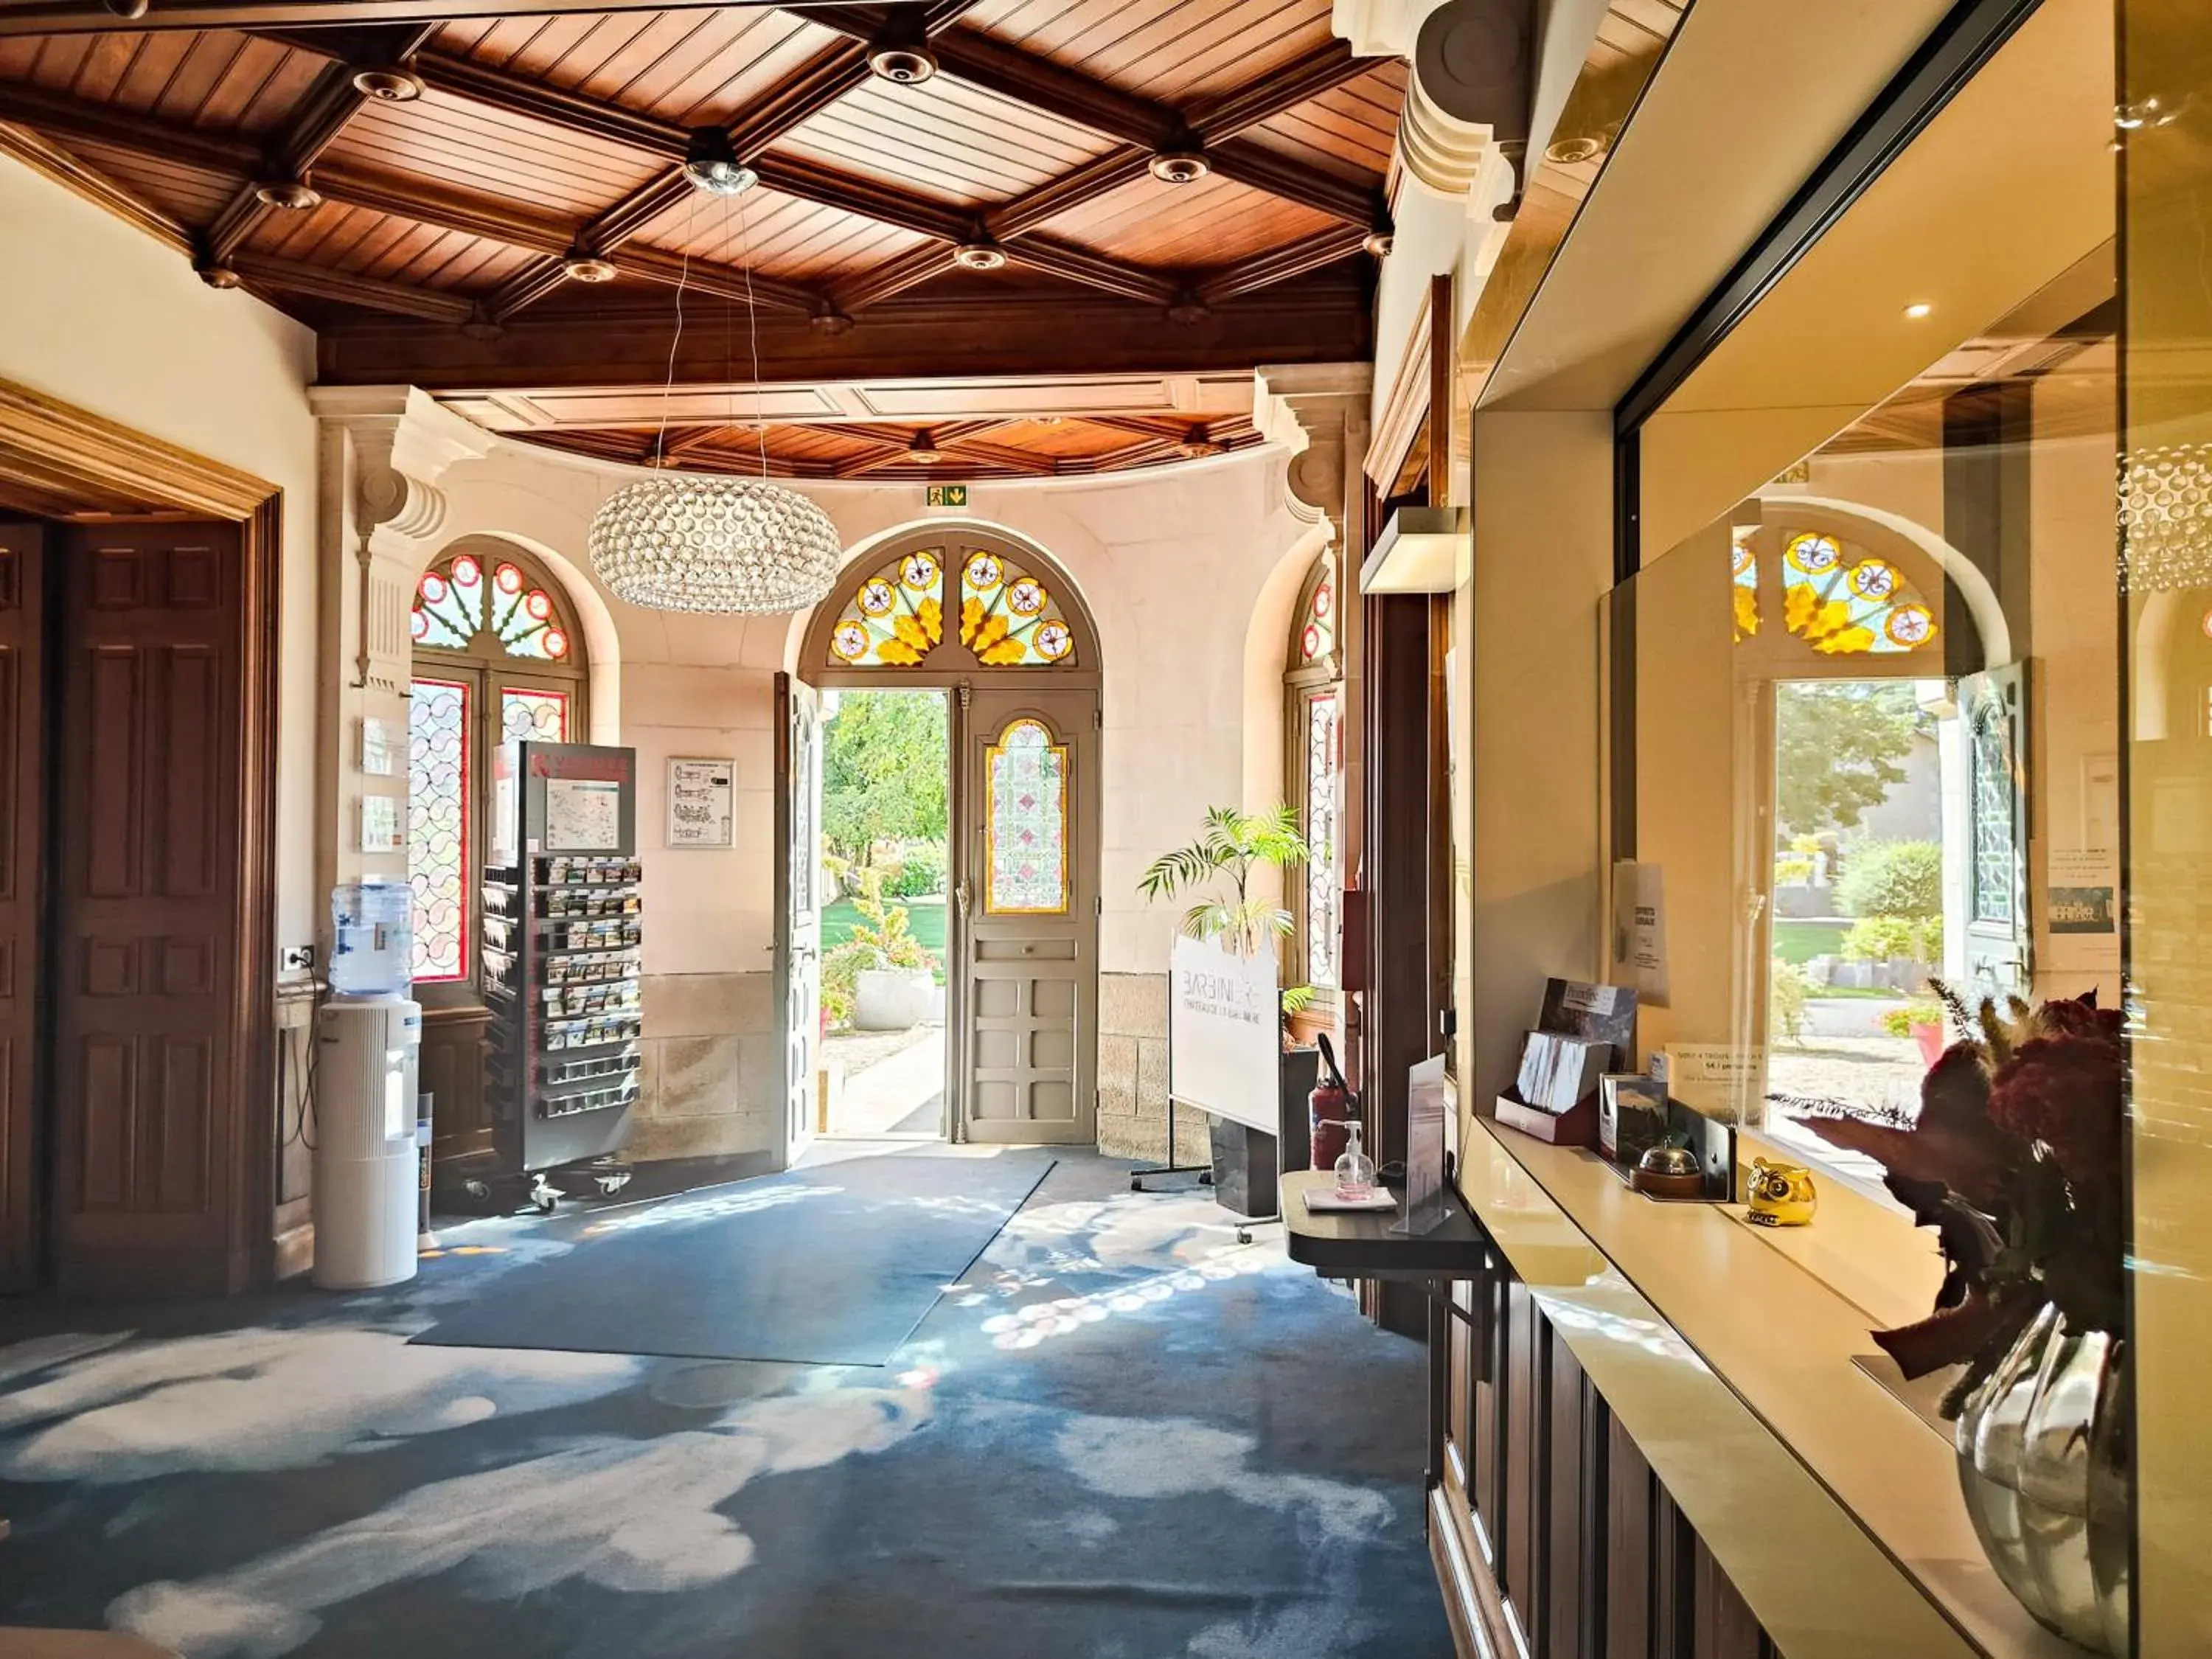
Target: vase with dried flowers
(2015,1159)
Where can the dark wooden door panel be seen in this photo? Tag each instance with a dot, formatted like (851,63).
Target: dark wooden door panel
(148,1097)
(22,813)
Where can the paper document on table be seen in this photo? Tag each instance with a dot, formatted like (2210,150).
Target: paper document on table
(1326,1202)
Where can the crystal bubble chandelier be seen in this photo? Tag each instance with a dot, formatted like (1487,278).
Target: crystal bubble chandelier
(2166,508)
(705,543)
(684,542)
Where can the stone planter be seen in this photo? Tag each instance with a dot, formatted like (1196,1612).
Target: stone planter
(2043,1464)
(891,999)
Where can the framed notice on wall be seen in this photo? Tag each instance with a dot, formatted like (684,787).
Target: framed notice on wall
(702,802)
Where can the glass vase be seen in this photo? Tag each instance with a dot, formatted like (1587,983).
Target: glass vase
(2043,1464)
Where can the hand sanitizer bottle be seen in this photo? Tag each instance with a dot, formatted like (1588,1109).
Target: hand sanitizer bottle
(1355,1170)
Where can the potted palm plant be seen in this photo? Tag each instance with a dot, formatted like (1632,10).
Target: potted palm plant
(1215,872)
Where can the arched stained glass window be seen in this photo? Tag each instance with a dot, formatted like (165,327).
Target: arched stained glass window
(1746,578)
(1008,617)
(1843,602)
(1025,822)
(1317,627)
(496,660)
(458,600)
(896,616)
(949,607)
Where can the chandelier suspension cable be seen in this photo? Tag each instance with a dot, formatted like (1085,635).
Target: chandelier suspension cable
(682,275)
(731,546)
(752,332)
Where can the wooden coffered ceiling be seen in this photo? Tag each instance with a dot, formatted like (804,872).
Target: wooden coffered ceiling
(443,237)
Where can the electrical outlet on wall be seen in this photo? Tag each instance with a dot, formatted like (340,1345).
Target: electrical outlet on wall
(296,959)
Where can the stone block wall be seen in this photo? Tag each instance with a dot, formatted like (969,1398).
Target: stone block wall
(1133,1074)
(710,1084)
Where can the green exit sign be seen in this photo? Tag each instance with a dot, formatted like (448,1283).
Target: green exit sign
(948,495)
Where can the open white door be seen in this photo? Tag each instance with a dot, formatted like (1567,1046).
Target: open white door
(799,906)
(1994,706)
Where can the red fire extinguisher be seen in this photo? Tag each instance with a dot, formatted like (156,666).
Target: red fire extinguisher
(1331,1106)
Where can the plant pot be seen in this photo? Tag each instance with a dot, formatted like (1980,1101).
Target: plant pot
(2043,1465)
(890,999)
(1929,1033)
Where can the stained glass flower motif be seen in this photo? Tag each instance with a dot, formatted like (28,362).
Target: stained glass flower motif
(1008,617)
(1843,604)
(1025,822)
(895,617)
(1746,578)
(451,605)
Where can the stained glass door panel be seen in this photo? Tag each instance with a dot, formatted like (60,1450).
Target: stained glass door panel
(438,826)
(1027,883)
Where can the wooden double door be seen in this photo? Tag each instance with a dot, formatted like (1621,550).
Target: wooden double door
(127,934)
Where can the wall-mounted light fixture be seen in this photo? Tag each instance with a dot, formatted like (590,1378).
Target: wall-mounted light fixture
(1423,550)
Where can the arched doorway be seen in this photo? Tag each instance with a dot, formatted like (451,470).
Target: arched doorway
(991,622)
(1886,798)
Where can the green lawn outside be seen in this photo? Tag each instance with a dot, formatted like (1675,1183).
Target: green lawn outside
(926,922)
(1799,942)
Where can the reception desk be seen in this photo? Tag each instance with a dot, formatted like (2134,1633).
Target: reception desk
(1649,1437)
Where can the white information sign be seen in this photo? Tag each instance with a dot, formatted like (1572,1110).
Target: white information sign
(582,815)
(1225,1020)
(700,796)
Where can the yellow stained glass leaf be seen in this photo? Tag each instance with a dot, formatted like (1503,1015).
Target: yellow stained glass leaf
(930,611)
(971,613)
(989,631)
(898,654)
(1746,613)
(1003,652)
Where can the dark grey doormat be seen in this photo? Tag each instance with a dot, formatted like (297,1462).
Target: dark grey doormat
(831,1265)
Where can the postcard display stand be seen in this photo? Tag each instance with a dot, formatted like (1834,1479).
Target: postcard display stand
(562,931)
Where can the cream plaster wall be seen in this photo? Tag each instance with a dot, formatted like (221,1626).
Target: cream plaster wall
(103,316)
(1173,565)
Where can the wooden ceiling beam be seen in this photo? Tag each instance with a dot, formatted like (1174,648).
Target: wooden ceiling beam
(1281,264)
(1218,119)
(1223,115)
(319,282)
(61,117)
(1263,169)
(895,275)
(312,127)
(615,338)
(556,106)
(820,84)
(1078,265)
(866,197)
(1123,164)
(92,17)
(75,174)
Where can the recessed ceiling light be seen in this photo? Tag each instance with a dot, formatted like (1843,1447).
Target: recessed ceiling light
(582,267)
(1179,166)
(1918,309)
(924,450)
(390,85)
(293,195)
(979,255)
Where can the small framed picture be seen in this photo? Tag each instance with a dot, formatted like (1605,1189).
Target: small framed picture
(379,824)
(701,801)
(383,747)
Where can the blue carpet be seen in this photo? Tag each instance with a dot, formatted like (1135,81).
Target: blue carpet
(1121,1435)
(825,1267)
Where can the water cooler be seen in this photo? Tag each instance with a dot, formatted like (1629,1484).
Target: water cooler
(368,1045)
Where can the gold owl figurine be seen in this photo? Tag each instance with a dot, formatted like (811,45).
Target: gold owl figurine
(1781,1194)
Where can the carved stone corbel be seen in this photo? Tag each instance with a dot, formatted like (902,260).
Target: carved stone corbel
(1313,410)
(398,442)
